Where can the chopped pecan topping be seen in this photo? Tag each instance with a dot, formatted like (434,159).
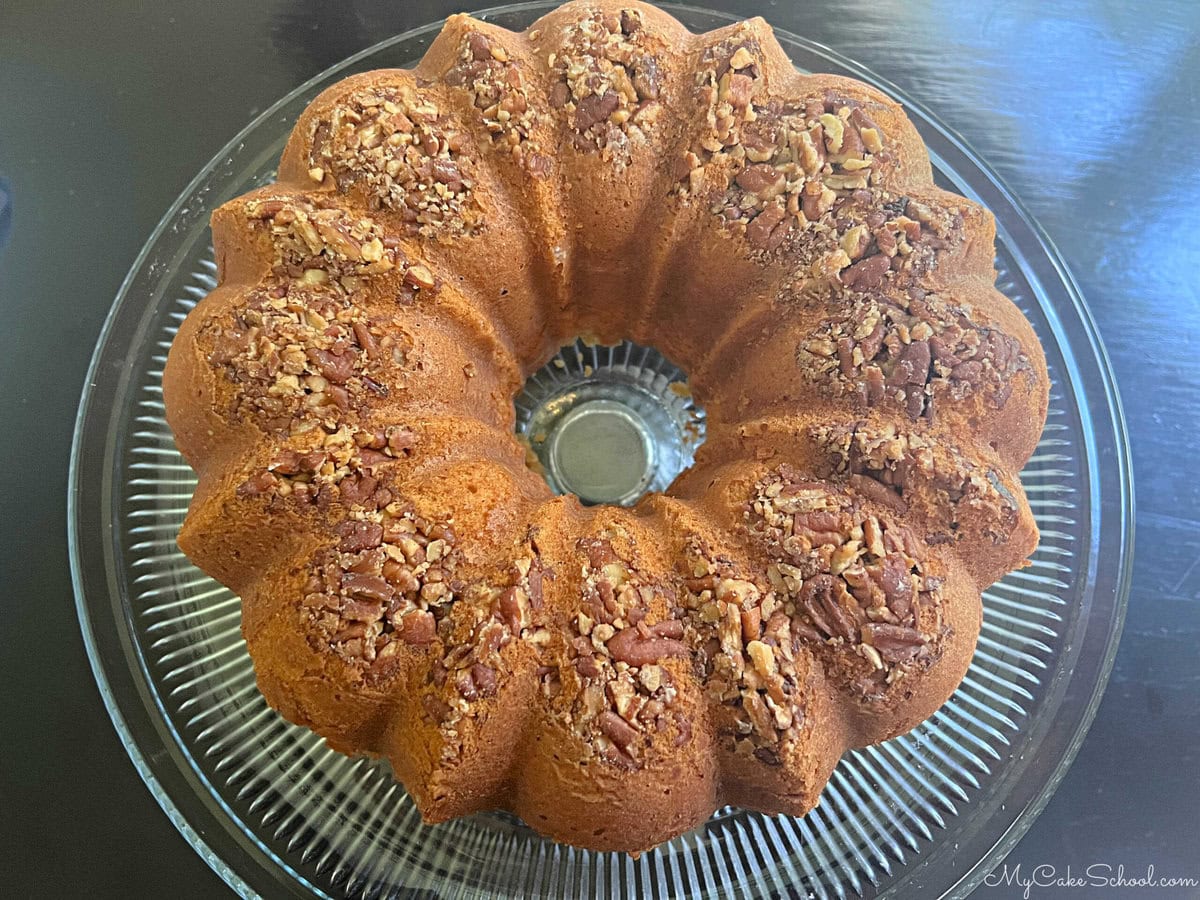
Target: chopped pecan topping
(805,175)
(498,89)
(608,82)
(392,581)
(616,655)
(747,652)
(321,244)
(407,155)
(900,468)
(324,467)
(389,578)
(473,629)
(911,350)
(839,573)
(301,356)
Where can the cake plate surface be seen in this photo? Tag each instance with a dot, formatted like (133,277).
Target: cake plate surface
(276,813)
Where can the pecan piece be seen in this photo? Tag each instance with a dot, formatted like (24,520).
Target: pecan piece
(647,80)
(513,603)
(970,372)
(873,342)
(810,601)
(900,539)
(741,90)
(335,368)
(265,209)
(465,682)
(897,585)
(866,274)
(484,679)
(287,463)
(418,627)
(341,397)
(873,385)
(365,339)
(629,646)
(370,459)
(480,46)
(767,230)
(817,599)
(310,463)
(668,628)
(446,172)
(366,587)
(617,729)
(599,553)
(760,717)
(358,536)
(400,577)
(751,623)
(587,667)
(385,658)
(878,492)
(761,179)
(400,440)
(895,643)
(595,108)
(819,526)
(420,277)
(559,95)
(259,483)
(536,594)
(913,365)
(361,611)
(539,165)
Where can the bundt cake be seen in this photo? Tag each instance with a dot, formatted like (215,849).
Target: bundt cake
(413,590)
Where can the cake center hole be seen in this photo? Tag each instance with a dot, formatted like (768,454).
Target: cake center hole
(609,424)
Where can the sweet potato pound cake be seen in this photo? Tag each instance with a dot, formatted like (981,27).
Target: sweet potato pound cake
(612,675)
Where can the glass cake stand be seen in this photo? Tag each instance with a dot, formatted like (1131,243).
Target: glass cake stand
(276,813)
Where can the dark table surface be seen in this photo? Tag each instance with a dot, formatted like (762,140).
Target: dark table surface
(1088,108)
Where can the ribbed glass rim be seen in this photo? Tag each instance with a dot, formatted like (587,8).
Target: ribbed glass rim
(251,869)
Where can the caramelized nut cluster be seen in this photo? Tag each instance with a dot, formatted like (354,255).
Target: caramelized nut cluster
(389,578)
(747,652)
(498,90)
(902,469)
(608,81)
(854,585)
(406,154)
(616,656)
(911,349)
(302,356)
(339,465)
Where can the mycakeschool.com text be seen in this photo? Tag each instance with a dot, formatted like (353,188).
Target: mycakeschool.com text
(1093,877)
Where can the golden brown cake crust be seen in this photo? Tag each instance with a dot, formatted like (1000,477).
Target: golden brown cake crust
(411,590)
